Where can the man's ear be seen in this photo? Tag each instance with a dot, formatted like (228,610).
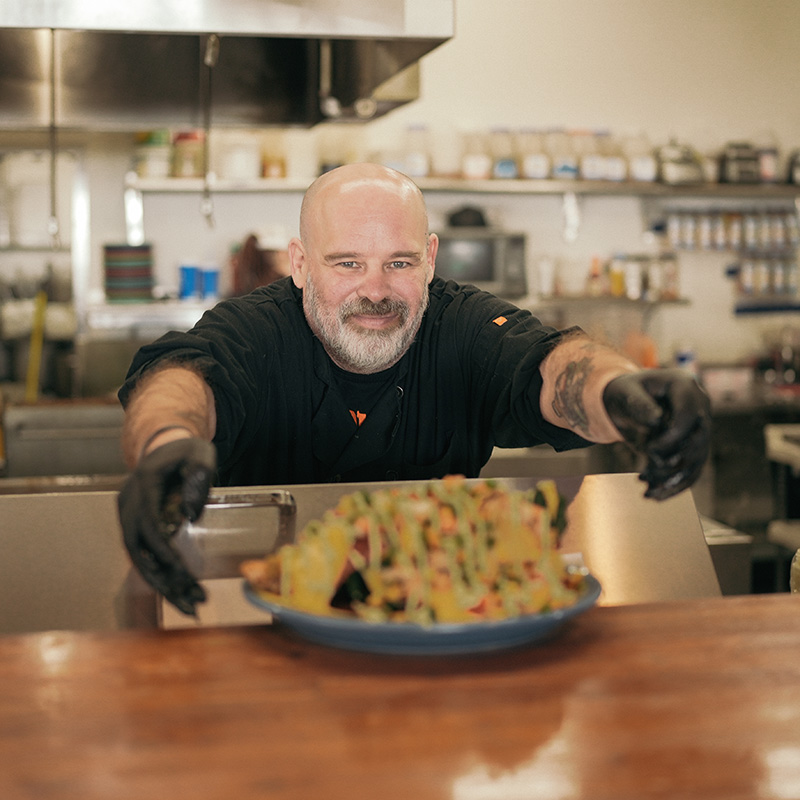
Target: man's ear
(297,262)
(433,249)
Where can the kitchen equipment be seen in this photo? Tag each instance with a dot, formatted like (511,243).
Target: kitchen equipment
(124,66)
(679,165)
(794,167)
(63,437)
(740,163)
(489,258)
(236,525)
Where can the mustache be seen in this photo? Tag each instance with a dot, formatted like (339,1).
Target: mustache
(365,307)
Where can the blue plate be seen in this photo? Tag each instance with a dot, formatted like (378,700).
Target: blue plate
(406,638)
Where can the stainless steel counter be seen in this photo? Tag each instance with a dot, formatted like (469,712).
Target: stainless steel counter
(64,566)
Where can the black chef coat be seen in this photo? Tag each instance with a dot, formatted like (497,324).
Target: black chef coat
(469,382)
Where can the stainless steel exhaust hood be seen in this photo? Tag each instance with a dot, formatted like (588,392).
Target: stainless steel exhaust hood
(122,65)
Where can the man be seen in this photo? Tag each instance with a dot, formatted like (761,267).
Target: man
(364,366)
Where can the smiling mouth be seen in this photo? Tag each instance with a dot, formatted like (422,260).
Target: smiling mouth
(376,316)
(374,321)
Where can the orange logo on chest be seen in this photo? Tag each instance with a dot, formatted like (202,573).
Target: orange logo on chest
(358,417)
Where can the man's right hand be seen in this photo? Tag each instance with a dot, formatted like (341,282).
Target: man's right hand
(168,486)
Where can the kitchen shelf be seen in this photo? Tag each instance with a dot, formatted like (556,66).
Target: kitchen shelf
(603,299)
(767,307)
(198,185)
(623,188)
(761,191)
(158,314)
(34,248)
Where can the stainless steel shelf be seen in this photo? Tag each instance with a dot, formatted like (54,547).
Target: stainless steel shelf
(198,185)
(34,248)
(605,300)
(761,191)
(624,188)
(160,315)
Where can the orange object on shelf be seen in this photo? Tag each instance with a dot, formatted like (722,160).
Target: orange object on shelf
(639,347)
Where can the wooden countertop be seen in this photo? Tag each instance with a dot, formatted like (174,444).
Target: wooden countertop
(692,698)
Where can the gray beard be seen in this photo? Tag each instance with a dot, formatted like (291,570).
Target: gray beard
(357,349)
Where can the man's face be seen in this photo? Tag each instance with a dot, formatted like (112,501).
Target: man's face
(364,268)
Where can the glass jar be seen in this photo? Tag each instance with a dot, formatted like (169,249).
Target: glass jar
(188,155)
(563,161)
(417,152)
(504,162)
(534,161)
(476,163)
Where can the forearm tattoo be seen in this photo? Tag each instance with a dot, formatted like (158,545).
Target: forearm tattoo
(568,398)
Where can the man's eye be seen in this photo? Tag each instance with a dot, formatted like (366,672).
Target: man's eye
(347,264)
(399,264)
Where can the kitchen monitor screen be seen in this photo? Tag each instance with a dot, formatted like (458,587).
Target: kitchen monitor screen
(466,260)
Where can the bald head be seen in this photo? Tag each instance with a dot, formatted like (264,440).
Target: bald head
(370,186)
(363,261)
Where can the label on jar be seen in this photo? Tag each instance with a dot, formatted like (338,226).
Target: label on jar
(536,166)
(633,279)
(565,166)
(643,168)
(476,166)
(505,168)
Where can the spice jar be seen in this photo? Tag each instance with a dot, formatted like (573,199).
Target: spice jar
(188,155)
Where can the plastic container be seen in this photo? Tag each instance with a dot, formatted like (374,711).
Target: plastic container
(563,161)
(504,162)
(241,159)
(476,163)
(188,155)
(190,286)
(416,159)
(642,163)
(209,283)
(534,161)
(591,162)
(617,270)
(154,161)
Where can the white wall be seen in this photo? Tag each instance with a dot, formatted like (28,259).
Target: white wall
(704,71)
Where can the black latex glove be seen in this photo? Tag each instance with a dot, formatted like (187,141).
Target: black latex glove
(167,487)
(666,416)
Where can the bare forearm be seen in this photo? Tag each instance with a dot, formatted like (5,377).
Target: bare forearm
(171,403)
(574,376)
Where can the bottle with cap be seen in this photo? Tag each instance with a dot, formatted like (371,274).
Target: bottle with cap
(188,154)
(476,163)
(640,157)
(417,152)
(534,161)
(504,162)
(563,161)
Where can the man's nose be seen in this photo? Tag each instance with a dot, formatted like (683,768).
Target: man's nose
(375,285)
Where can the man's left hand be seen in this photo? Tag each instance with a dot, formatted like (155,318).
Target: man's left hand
(665,415)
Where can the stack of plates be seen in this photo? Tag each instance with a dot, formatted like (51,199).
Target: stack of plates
(129,272)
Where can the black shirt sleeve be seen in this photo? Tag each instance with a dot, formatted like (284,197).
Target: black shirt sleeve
(504,347)
(232,347)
